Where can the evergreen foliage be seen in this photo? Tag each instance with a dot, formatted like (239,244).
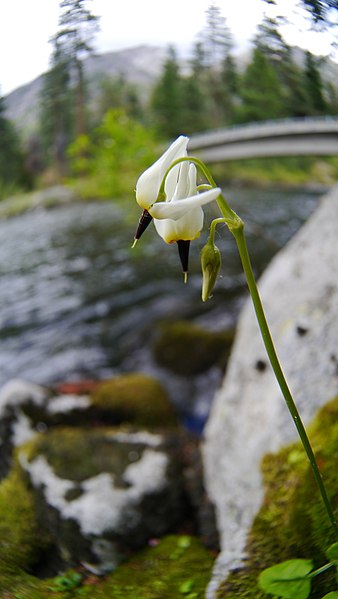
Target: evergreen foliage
(206,92)
(167,100)
(63,95)
(313,86)
(261,92)
(11,156)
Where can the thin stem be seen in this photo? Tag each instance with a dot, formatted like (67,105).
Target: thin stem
(238,232)
(320,570)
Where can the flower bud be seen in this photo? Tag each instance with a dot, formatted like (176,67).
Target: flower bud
(211,264)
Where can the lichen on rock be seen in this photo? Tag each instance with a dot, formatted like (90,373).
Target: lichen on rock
(102,486)
(292,522)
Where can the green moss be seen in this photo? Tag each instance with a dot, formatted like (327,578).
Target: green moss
(134,398)
(179,566)
(78,454)
(187,349)
(292,522)
(21,541)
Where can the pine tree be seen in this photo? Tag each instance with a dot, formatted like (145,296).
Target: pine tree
(57,109)
(216,36)
(280,56)
(314,87)
(167,98)
(117,92)
(11,156)
(260,91)
(75,36)
(62,97)
(321,10)
(219,69)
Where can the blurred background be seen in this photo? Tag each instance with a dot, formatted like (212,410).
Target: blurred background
(91,93)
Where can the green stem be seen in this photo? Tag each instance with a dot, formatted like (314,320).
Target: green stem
(238,231)
(320,570)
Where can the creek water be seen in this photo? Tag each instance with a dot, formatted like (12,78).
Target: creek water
(76,302)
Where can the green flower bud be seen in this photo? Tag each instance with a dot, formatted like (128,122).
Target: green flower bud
(211,264)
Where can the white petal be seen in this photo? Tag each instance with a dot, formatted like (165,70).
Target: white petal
(187,227)
(148,184)
(177,209)
(171,182)
(192,179)
(182,190)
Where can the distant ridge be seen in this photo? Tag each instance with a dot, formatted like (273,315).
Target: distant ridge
(140,65)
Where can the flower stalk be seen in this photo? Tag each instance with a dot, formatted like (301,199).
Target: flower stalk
(169,194)
(238,232)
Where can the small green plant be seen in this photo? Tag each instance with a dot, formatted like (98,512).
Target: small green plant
(170,193)
(292,579)
(66,582)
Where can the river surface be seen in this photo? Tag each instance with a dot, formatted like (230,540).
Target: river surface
(77,302)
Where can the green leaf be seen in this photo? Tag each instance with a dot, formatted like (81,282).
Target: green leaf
(186,586)
(287,580)
(333,595)
(332,553)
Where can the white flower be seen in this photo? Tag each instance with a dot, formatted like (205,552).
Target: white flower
(180,217)
(148,185)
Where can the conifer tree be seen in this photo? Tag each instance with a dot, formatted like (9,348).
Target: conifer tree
(167,98)
(63,97)
(220,75)
(314,87)
(11,157)
(280,56)
(75,36)
(57,109)
(260,91)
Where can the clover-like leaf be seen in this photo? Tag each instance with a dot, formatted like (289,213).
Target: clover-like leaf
(332,553)
(332,595)
(288,580)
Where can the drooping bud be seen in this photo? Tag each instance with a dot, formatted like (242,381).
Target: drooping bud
(211,263)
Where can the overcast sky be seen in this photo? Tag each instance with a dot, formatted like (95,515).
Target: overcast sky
(27,25)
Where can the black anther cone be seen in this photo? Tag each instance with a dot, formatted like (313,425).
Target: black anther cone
(145,220)
(183,250)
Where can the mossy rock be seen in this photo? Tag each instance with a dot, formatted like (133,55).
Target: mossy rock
(102,492)
(179,566)
(133,398)
(22,543)
(292,522)
(188,350)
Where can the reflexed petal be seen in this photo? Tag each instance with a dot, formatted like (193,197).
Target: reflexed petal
(148,184)
(176,209)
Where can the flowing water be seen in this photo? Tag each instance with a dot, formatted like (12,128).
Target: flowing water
(76,301)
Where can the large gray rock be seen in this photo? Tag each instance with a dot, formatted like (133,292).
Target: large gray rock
(299,290)
(103,492)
